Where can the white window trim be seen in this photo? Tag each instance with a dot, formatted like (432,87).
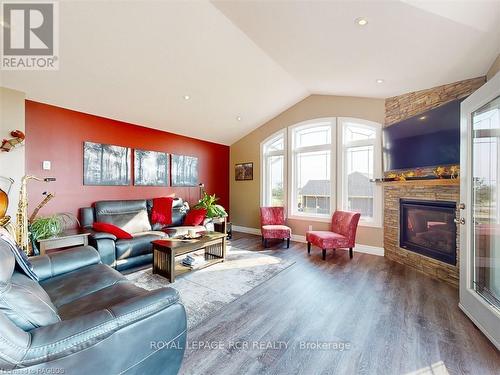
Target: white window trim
(377,169)
(263,166)
(292,167)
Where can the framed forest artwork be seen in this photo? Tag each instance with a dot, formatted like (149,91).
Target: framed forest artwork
(150,168)
(106,164)
(184,170)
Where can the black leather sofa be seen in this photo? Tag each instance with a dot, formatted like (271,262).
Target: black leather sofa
(133,216)
(83,317)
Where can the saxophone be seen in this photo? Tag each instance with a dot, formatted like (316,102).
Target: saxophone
(22,232)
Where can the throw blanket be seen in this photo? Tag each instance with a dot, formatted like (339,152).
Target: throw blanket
(161,212)
(22,262)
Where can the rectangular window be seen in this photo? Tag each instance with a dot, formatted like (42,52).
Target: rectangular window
(360,163)
(273,171)
(313,182)
(359,171)
(276,169)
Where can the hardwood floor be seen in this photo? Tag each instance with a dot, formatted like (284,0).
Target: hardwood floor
(390,319)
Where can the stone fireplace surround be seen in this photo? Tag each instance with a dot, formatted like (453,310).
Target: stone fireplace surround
(444,190)
(399,108)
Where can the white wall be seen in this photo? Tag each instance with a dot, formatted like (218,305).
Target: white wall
(12,163)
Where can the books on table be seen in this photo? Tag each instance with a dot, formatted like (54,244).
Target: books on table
(194,261)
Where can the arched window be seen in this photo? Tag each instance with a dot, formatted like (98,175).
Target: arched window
(325,164)
(312,190)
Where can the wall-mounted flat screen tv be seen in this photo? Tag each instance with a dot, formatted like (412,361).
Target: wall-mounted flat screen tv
(429,139)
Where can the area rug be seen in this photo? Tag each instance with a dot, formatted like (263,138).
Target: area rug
(205,291)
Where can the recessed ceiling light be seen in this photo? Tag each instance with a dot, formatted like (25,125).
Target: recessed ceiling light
(361,21)
(379,80)
(238,118)
(186,97)
(422,117)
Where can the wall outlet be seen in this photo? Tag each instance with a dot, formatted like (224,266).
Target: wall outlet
(310,227)
(46,165)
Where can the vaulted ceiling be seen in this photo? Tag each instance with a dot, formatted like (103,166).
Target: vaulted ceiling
(243,62)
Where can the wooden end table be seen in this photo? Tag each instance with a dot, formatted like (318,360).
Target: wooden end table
(165,251)
(67,238)
(220,224)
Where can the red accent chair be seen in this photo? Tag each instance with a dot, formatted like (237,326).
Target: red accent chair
(342,233)
(272,224)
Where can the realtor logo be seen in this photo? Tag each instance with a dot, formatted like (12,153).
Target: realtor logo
(30,36)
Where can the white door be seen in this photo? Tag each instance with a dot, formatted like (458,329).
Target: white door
(480,215)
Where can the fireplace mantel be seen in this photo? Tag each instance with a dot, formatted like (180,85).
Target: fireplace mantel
(434,182)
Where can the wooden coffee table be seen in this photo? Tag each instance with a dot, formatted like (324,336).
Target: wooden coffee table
(165,251)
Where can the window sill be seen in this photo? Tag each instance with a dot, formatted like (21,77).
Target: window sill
(325,219)
(368,224)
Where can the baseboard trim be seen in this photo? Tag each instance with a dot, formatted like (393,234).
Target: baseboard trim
(372,250)
(360,248)
(237,228)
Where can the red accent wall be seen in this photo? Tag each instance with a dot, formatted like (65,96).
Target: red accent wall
(57,134)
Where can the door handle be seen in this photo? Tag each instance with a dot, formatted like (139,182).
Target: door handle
(461,221)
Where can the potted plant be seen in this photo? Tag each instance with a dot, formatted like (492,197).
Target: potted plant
(49,226)
(42,228)
(213,210)
(45,227)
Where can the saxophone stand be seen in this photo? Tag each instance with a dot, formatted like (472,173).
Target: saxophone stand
(22,224)
(4,221)
(33,242)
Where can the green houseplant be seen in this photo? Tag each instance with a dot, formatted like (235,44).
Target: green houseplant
(50,226)
(208,203)
(46,227)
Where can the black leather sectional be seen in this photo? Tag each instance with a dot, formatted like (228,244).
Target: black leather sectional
(83,317)
(134,216)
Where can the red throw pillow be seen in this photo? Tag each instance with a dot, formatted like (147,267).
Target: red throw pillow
(161,212)
(113,229)
(195,217)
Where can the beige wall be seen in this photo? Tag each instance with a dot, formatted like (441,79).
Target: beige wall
(245,195)
(12,163)
(494,69)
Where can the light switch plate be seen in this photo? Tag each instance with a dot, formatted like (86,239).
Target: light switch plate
(310,227)
(46,165)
